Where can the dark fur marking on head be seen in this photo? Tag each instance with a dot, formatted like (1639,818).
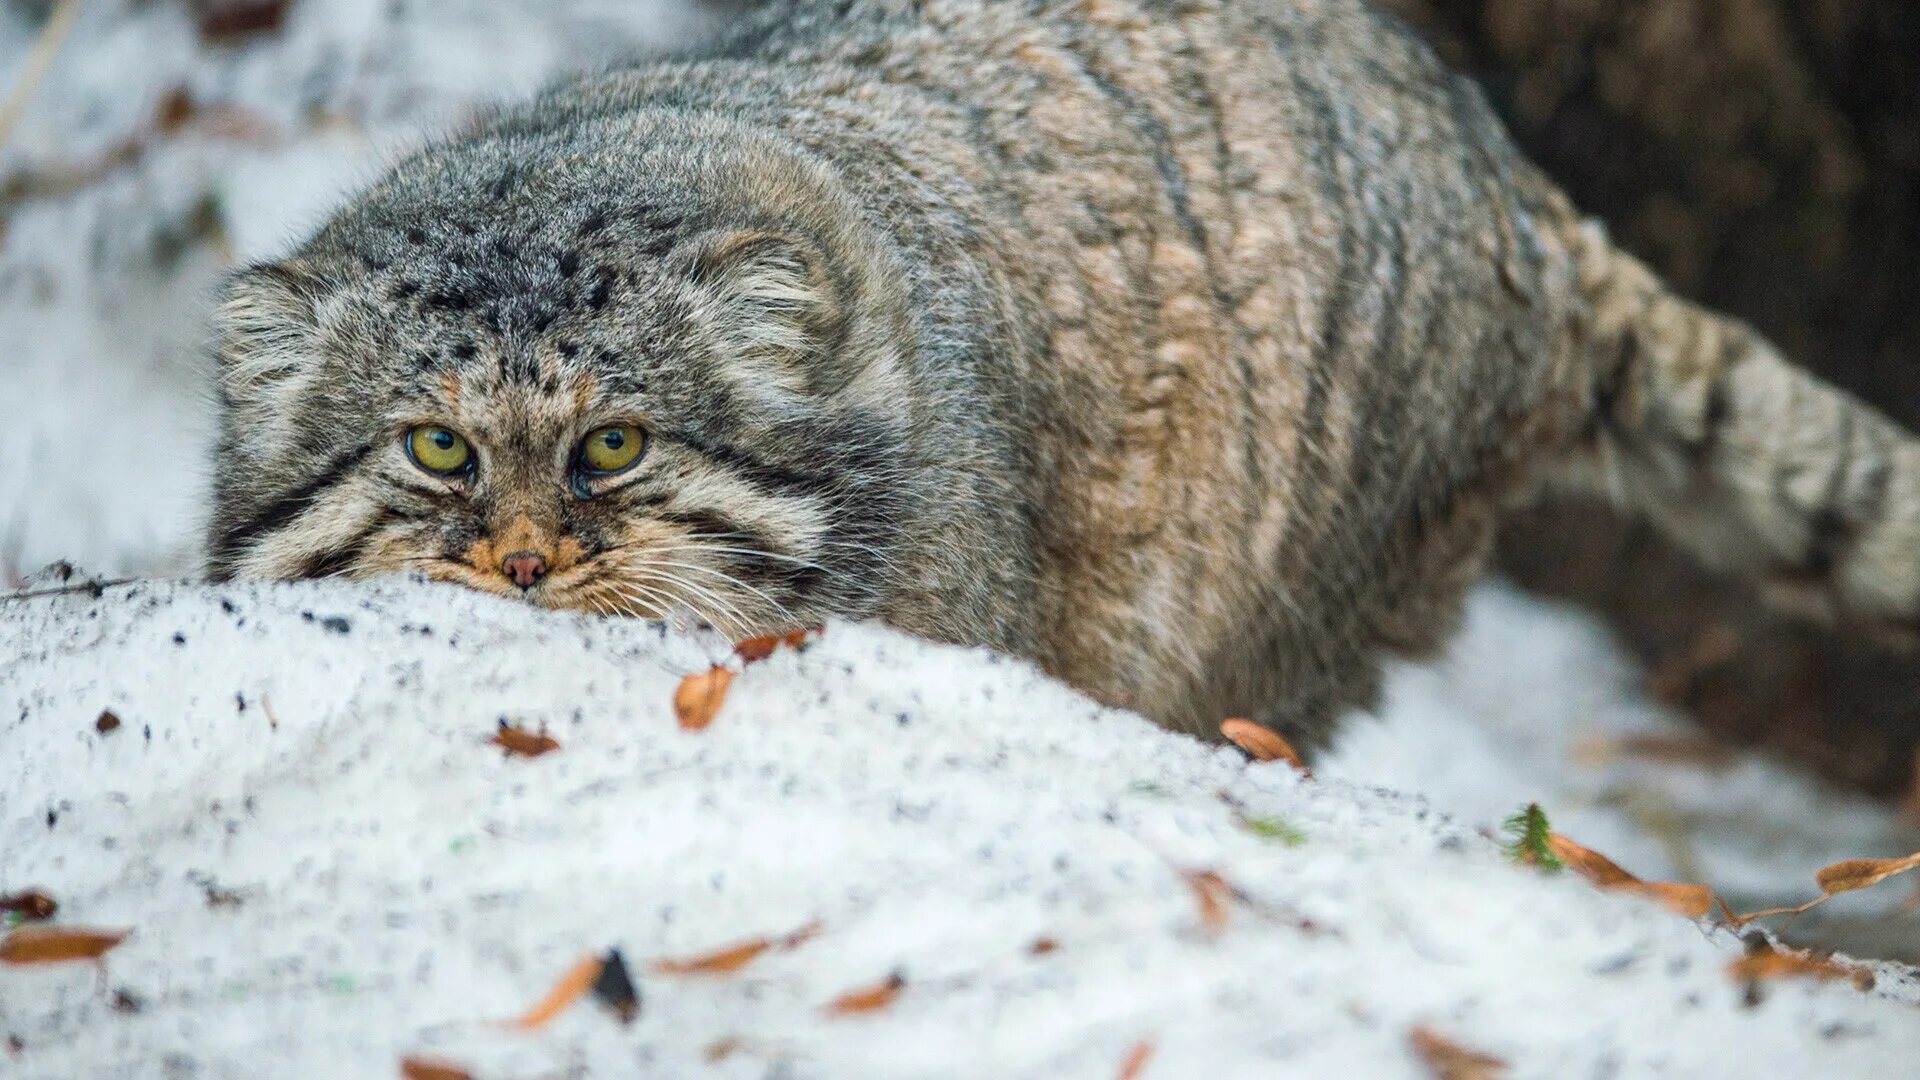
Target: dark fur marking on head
(289,505)
(602,287)
(762,473)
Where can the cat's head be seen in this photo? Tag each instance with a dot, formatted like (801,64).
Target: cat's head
(643,374)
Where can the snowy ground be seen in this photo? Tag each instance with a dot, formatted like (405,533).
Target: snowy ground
(401,886)
(323,861)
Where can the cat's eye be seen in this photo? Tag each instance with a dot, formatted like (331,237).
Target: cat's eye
(612,449)
(439,450)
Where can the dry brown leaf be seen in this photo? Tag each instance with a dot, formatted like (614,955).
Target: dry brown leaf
(57,944)
(1136,1060)
(420,1068)
(1592,865)
(1693,901)
(755,649)
(868,999)
(1764,962)
(1261,743)
(700,696)
(31,905)
(1859,873)
(803,935)
(1042,946)
(521,742)
(572,986)
(1679,897)
(731,958)
(721,1049)
(1212,892)
(106,722)
(718,962)
(1448,1060)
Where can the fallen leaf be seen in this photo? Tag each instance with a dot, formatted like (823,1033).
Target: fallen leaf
(720,1050)
(106,722)
(1212,892)
(573,986)
(1765,962)
(718,962)
(1592,865)
(1448,1060)
(614,988)
(1261,743)
(868,999)
(57,944)
(755,649)
(1693,901)
(31,906)
(1679,897)
(1042,946)
(419,1068)
(700,696)
(1859,873)
(803,935)
(1136,1060)
(731,958)
(521,742)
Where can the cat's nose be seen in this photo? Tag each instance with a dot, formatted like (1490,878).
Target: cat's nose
(526,568)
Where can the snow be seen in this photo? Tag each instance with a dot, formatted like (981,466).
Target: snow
(402,886)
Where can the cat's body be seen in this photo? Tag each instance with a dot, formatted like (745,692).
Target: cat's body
(1188,348)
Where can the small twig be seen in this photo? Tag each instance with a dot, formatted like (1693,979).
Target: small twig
(38,61)
(93,587)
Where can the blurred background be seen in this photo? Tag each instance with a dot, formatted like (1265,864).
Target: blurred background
(1763,154)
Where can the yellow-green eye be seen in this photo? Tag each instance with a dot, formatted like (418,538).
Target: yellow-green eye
(438,450)
(611,449)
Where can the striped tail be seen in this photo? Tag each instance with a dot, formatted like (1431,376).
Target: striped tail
(1752,463)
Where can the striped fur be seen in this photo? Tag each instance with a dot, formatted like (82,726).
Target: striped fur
(1189,347)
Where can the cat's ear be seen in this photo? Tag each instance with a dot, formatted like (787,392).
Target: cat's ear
(267,327)
(784,312)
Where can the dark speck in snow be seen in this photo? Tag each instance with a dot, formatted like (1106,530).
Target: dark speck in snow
(147,730)
(336,623)
(240,702)
(179,639)
(53,818)
(904,719)
(226,606)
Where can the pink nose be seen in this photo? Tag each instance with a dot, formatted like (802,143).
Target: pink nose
(525,568)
